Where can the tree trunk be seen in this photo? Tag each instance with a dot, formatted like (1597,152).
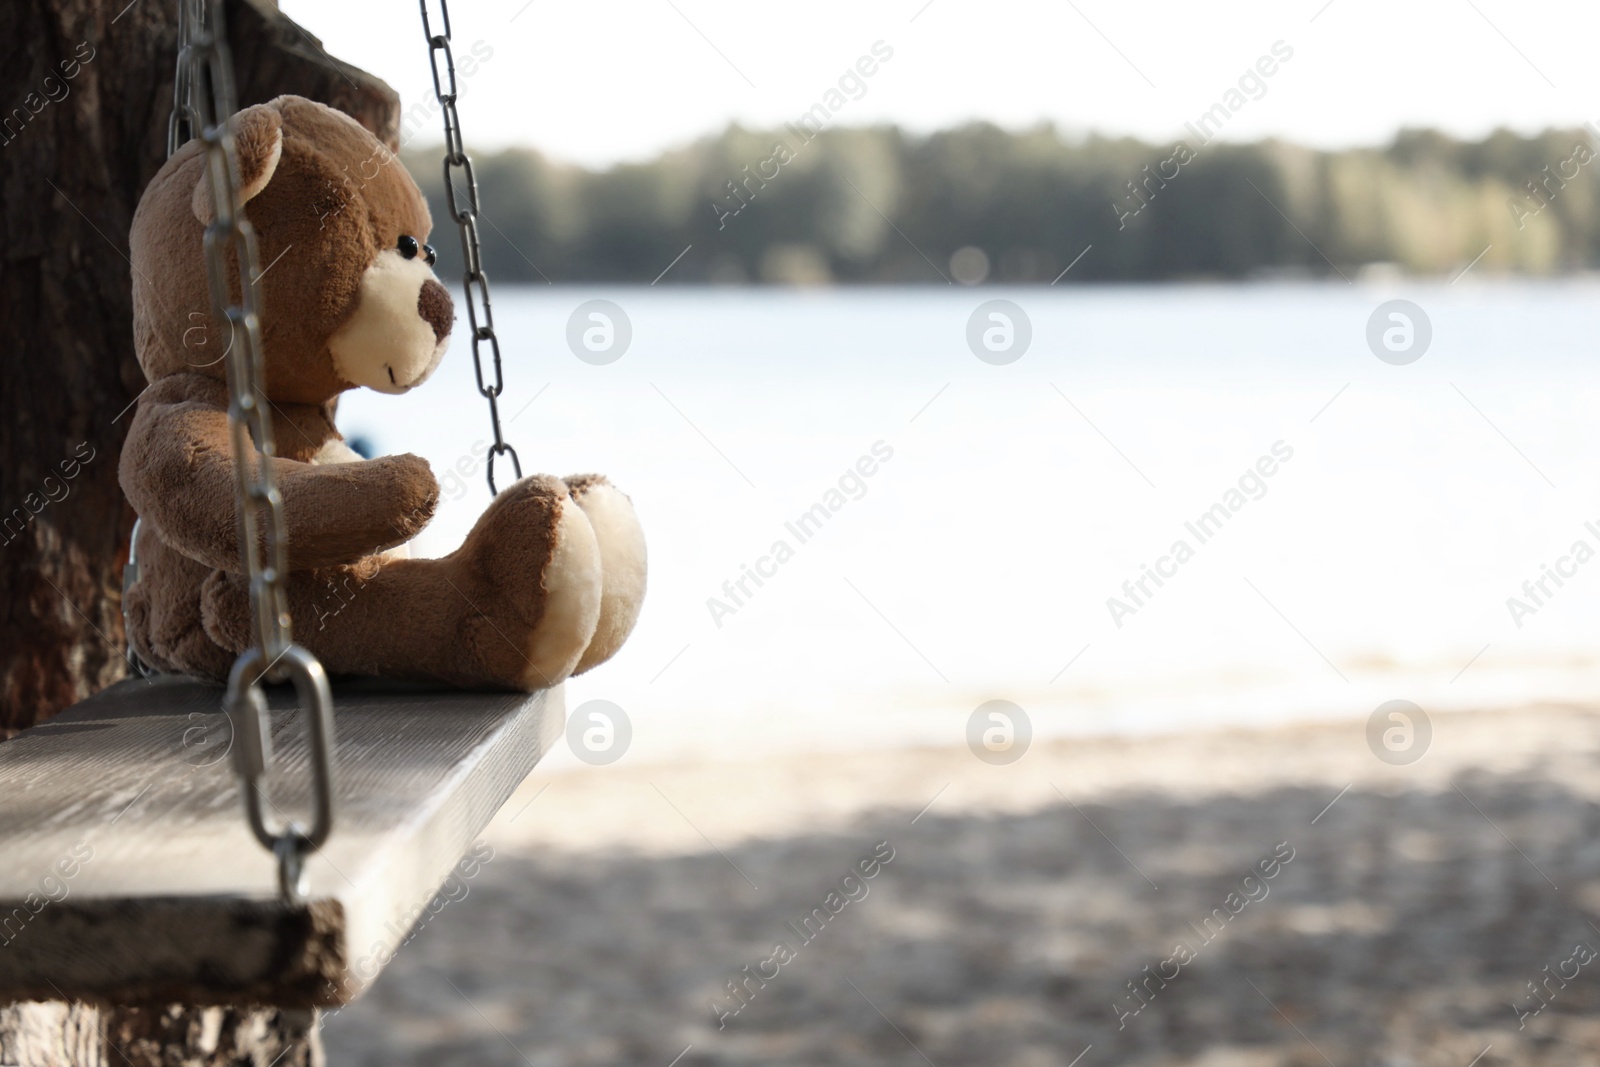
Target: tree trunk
(82,1035)
(161,1036)
(52,1035)
(85,92)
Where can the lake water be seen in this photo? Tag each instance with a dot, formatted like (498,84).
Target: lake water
(976,560)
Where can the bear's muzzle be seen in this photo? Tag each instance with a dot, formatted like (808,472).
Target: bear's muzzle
(436,308)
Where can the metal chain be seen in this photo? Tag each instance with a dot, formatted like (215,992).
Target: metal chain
(180,128)
(275,656)
(474,283)
(181,124)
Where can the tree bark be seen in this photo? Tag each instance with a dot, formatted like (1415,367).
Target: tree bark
(52,1035)
(75,153)
(82,1035)
(85,92)
(172,1036)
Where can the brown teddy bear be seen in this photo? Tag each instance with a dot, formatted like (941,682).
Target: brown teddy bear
(549,581)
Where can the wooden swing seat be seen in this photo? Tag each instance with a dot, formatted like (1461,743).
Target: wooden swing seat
(169,897)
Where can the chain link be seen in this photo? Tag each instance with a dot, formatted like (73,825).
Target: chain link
(181,124)
(210,108)
(474,282)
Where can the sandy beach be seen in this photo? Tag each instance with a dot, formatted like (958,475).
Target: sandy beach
(1030,914)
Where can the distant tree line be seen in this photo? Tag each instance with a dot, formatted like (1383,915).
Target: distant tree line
(879,205)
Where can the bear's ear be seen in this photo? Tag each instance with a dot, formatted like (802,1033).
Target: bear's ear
(258,144)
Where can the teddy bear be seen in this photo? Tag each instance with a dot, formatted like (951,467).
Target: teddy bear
(549,581)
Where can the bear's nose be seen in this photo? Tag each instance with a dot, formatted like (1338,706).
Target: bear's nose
(436,308)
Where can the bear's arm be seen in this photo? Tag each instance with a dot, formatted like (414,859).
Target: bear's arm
(177,472)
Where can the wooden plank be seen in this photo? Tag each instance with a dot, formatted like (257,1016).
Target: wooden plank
(129,874)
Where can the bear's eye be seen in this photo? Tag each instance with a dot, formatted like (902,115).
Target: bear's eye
(408,246)
(429,254)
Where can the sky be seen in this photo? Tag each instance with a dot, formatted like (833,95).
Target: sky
(600,83)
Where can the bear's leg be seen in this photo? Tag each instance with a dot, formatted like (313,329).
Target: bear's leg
(164,619)
(514,607)
(622,564)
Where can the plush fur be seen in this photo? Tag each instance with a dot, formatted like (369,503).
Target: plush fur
(548,582)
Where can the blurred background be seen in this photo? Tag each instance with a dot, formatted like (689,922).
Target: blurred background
(980,313)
